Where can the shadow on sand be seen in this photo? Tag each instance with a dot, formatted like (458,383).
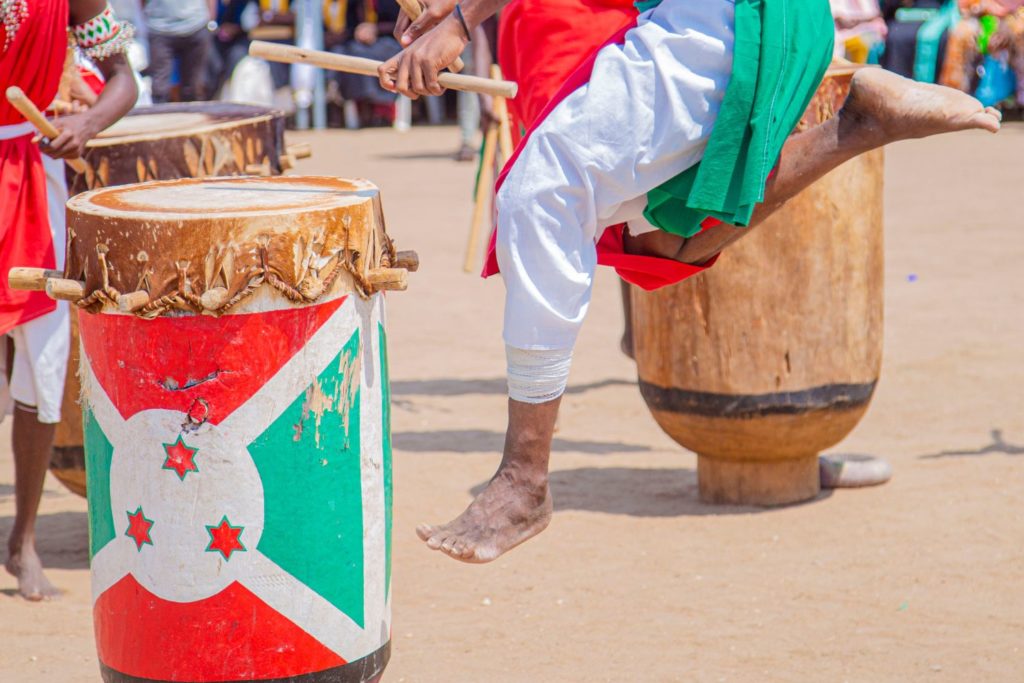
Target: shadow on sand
(487,441)
(998,445)
(638,492)
(62,539)
(493,385)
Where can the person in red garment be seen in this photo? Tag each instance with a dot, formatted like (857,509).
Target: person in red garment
(34,41)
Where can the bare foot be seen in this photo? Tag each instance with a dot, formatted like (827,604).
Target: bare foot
(33,585)
(506,513)
(884,107)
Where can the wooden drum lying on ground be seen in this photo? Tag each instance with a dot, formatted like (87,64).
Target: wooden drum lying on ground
(773,354)
(184,140)
(163,142)
(237,426)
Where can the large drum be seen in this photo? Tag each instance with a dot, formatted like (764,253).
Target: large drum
(772,355)
(163,142)
(237,426)
(183,140)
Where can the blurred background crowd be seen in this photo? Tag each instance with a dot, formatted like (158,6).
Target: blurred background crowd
(197,50)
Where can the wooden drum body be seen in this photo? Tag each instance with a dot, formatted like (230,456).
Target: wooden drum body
(773,354)
(183,140)
(162,142)
(237,428)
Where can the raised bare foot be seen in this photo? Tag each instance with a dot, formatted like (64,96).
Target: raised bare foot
(33,585)
(885,107)
(506,513)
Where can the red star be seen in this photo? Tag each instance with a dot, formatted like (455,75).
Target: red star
(138,528)
(224,538)
(180,458)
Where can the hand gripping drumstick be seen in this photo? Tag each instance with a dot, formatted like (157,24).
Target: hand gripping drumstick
(16,96)
(413,10)
(368,67)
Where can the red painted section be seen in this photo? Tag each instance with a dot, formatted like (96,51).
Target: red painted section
(231,636)
(200,365)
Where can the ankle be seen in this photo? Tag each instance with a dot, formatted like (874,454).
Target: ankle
(528,475)
(21,545)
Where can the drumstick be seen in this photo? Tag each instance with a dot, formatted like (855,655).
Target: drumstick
(504,126)
(30,279)
(483,190)
(413,10)
(368,67)
(16,96)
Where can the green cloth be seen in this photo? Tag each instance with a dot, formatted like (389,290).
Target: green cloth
(781,51)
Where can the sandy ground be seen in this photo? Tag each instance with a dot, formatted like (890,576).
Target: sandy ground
(922,579)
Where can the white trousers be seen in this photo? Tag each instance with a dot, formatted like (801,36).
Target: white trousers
(41,345)
(644,117)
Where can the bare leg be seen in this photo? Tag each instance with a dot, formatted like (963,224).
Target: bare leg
(882,108)
(32,442)
(516,505)
(627,325)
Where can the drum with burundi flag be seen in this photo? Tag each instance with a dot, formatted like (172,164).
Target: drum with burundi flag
(237,427)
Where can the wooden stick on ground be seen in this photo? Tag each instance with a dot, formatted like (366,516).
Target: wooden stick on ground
(368,67)
(16,96)
(413,10)
(482,196)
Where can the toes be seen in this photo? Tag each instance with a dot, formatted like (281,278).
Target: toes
(424,531)
(435,541)
(987,120)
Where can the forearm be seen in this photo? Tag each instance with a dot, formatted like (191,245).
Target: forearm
(477,11)
(118,96)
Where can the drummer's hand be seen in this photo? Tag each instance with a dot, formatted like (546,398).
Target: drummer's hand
(75,131)
(434,11)
(414,70)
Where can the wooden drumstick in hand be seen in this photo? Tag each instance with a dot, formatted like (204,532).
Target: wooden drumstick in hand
(368,67)
(20,101)
(413,10)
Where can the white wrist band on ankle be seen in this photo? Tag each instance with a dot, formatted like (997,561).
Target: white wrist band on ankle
(537,376)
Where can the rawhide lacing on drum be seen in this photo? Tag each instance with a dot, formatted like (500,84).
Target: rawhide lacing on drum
(188,295)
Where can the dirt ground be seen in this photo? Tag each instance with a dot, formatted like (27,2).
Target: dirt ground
(919,580)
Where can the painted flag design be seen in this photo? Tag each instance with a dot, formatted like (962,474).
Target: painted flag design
(239,476)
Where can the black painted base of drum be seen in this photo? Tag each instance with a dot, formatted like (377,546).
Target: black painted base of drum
(369,669)
(747,406)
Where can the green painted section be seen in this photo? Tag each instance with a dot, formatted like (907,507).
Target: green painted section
(385,411)
(309,463)
(98,454)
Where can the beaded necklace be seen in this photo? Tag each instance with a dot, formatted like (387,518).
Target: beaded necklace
(12,13)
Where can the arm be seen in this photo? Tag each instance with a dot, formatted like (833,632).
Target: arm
(413,72)
(118,96)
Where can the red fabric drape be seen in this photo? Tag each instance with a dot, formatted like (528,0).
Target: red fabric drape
(549,47)
(33,62)
(541,42)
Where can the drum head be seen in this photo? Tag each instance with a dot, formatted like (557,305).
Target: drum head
(163,121)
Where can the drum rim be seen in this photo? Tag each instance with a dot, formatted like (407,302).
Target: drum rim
(82,203)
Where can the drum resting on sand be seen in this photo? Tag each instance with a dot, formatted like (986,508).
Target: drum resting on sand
(236,411)
(771,356)
(164,142)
